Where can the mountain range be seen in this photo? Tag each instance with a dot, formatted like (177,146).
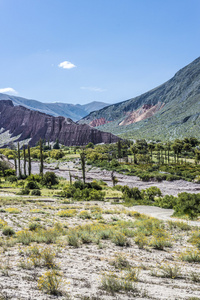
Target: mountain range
(18,123)
(172,110)
(72,111)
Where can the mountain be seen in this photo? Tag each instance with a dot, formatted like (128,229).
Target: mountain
(172,110)
(72,111)
(18,123)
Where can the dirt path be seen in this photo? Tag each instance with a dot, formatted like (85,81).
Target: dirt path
(160,213)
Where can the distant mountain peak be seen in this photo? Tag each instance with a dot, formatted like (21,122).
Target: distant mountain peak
(67,110)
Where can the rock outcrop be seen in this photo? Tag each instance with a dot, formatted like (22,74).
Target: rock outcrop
(26,124)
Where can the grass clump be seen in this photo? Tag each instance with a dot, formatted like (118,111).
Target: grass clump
(120,262)
(2,223)
(84,214)
(119,239)
(191,256)
(169,271)
(67,213)
(12,210)
(160,239)
(141,240)
(113,285)
(195,239)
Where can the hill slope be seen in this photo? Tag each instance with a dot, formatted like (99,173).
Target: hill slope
(171,110)
(18,123)
(72,111)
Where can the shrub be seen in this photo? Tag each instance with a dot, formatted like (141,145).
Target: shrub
(120,262)
(141,240)
(190,256)
(49,179)
(9,172)
(24,192)
(145,176)
(12,178)
(84,214)
(67,213)
(160,239)
(151,193)
(168,201)
(35,177)
(34,226)
(195,239)
(12,210)
(188,204)
(48,257)
(73,239)
(36,192)
(119,239)
(51,282)
(113,285)
(170,271)
(31,185)
(2,223)
(8,231)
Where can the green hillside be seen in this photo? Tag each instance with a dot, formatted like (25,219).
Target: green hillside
(178,117)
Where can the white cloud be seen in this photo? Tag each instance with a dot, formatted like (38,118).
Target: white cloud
(66,65)
(92,89)
(8,91)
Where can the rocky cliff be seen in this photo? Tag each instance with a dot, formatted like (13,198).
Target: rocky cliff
(24,124)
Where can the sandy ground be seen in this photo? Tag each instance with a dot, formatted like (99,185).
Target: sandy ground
(83,267)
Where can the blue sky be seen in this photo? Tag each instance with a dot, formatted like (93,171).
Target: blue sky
(79,51)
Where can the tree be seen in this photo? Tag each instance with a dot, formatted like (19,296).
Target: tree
(24,153)
(119,148)
(151,147)
(82,156)
(19,166)
(56,145)
(113,178)
(29,160)
(41,159)
(134,150)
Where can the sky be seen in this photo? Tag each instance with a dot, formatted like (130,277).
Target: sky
(78,51)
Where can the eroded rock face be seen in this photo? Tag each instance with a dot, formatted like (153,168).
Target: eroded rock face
(146,111)
(34,125)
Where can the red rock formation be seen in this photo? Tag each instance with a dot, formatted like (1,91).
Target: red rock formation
(34,125)
(98,122)
(146,111)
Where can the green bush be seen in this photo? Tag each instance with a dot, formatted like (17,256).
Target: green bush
(168,201)
(49,179)
(24,192)
(12,178)
(9,172)
(32,185)
(8,231)
(36,192)
(188,204)
(35,177)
